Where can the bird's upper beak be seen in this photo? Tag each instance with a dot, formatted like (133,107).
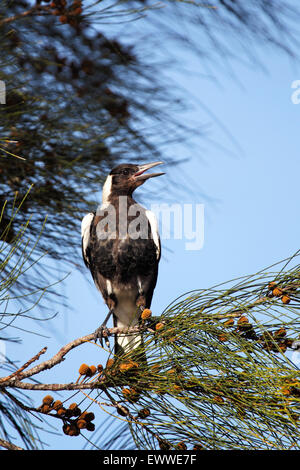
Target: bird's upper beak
(140,176)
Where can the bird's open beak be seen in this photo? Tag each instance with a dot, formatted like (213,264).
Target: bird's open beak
(140,176)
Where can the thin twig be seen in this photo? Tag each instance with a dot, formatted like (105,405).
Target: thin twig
(33,10)
(127,413)
(235,313)
(9,446)
(25,366)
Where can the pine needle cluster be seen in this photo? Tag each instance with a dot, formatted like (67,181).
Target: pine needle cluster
(222,371)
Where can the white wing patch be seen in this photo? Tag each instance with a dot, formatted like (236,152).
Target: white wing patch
(109,287)
(106,190)
(154,230)
(85,233)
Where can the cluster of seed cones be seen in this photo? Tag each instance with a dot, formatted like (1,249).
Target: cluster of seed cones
(68,12)
(74,420)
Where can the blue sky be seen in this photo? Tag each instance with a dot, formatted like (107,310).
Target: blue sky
(251,207)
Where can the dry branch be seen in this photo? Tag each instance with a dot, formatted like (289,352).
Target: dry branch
(8,445)
(14,380)
(36,9)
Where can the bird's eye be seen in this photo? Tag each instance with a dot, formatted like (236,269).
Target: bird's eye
(125,172)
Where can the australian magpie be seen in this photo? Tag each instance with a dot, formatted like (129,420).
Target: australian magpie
(121,247)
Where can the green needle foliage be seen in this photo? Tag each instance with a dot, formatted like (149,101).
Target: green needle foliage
(17,258)
(77,103)
(221,370)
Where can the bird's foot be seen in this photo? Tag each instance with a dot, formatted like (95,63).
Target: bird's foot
(102,334)
(141,302)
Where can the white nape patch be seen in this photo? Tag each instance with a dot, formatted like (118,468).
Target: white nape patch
(85,230)
(106,190)
(154,230)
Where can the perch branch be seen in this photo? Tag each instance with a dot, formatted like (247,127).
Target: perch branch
(15,380)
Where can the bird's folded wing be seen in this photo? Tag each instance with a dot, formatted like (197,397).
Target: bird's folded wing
(85,236)
(154,232)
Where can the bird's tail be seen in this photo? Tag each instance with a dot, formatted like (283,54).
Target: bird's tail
(131,345)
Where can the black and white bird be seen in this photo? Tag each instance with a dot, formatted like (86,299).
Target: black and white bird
(121,247)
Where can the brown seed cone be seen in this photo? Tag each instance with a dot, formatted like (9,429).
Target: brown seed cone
(123,411)
(77,412)
(286,299)
(92,370)
(72,406)
(280,333)
(83,415)
(45,408)
(130,394)
(144,413)
(218,399)
(181,446)
(61,412)
(83,369)
(198,447)
(66,428)
(243,320)
(285,390)
(164,445)
(90,426)
(288,342)
(272,285)
(277,292)
(57,405)
(89,416)
(73,430)
(109,363)
(124,366)
(81,424)
(222,337)
(77,11)
(69,413)
(282,346)
(47,400)
(146,314)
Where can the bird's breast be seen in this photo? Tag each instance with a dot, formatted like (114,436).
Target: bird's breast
(123,258)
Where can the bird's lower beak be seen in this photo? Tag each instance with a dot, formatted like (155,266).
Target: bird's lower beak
(140,176)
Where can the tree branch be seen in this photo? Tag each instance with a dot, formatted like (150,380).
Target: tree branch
(27,364)
(9,446)
(50,387)
(15,380)
(59,357)
(33,10)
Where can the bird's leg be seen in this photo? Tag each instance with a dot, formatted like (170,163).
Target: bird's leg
(141,302)
(102,331)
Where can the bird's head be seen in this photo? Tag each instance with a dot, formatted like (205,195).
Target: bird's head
(125,178)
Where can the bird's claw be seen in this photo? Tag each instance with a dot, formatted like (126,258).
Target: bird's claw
(102,333)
